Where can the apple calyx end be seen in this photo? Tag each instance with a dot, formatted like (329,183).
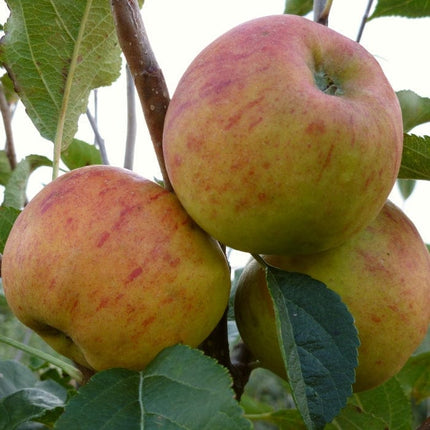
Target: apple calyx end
(326,84)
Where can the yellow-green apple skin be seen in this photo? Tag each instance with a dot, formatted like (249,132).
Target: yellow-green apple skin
(109,269)
(382,275)
(283,136)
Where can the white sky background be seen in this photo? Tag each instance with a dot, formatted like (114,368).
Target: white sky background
(178,30)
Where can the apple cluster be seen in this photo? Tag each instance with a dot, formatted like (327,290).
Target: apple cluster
(282,138)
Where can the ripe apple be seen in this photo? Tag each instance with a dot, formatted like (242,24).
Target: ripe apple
(109,269)
(382,275)
(283,136)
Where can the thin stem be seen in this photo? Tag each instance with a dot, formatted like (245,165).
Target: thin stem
(364,20)
(148,77)
(27,337)
(69,369)
(98,138)
(259,260)
(322,11)
(7,122)
(96,112)
(131,122)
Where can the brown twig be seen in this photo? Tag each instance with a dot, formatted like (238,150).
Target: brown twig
(240,366)
(148,77)
(425,425)
(5,112)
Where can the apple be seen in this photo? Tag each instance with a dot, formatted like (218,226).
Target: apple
(382,275)
(109,269)
(283,136)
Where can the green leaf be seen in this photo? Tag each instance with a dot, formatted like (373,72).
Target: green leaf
(15,376)
(354,417)
(80,154)
(180,389)
(286,419)
(387,402)
(29,404)
(24,398)
(56,52)
(8,216)
(406,187)
(8,89)
(298,7)
(415,158)
(407,8)
(415,376)
(415,109)
(5,170)
(15,191)
(319,344)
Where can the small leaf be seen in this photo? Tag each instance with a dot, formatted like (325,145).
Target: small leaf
(29,404)
(406,187)
(15,191)
(14,376)
(319,344)
(415,376)
(354,417)
(286,419)
(8,216)
(80,154)
(180,389)
(415,109)
(298,7)
(415,158)
(56,52)
(5,170)
(388,402)
(24,398)
(407,8)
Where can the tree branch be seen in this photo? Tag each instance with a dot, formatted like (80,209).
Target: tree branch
(7,118)
(148,77)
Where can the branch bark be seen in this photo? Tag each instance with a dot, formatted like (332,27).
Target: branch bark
(148,77)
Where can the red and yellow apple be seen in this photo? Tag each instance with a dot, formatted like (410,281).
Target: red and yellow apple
(283,136)
(382,275)
(109,269)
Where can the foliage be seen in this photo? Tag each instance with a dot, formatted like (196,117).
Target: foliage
(56,53)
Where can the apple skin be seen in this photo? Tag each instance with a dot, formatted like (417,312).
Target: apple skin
(262,158)
(109,269)
(382,275)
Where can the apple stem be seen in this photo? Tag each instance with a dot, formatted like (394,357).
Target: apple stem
(260,260)
(322,11)
(147,75)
